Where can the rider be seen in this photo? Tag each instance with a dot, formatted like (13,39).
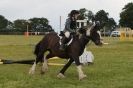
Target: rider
(70,28)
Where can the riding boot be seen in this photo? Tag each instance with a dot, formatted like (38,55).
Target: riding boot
(64,41)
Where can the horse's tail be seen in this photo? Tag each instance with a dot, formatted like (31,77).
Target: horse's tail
(37,48)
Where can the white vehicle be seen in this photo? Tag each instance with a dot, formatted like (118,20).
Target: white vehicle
(115,33)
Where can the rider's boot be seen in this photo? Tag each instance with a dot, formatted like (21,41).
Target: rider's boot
(64,41)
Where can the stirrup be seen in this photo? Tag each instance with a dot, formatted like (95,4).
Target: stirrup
(62,47)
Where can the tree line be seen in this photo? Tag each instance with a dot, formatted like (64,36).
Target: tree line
(107,23)
(21,25)
(42,24)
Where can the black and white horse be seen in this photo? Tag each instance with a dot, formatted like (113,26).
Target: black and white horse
(51,43)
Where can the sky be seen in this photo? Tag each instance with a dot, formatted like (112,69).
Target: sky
(53,9)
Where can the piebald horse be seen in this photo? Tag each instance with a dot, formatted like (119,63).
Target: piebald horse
(51,43)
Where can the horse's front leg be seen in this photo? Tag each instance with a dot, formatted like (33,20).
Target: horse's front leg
(79,68)
(38,58)
(44,66)
(45,63)
(62,71)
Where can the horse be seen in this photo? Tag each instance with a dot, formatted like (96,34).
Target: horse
(51,43)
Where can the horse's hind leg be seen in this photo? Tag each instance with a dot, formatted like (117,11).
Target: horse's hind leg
(38,58)
(32,69)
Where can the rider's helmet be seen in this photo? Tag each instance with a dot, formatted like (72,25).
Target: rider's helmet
(73,12)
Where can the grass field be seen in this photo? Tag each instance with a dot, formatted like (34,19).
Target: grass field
(112,68)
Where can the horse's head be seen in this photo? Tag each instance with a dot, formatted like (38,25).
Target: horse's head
(93,32)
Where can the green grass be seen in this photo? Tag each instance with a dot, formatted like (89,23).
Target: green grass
(112,68)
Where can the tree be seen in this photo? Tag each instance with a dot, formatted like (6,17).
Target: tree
(20,25)
(90,16)
(10,26)
(126,16)
(86,14)
(40,24)
(111,24)
(3,22)
(102,16)
(107,24)
(83,14)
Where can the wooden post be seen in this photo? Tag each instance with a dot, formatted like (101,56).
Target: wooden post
(60,23)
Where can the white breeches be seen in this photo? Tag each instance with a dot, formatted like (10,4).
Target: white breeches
(67,34)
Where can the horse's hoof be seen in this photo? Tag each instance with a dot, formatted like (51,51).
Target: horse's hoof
(31,72)
(44,70)
(82,77)
(60,75)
